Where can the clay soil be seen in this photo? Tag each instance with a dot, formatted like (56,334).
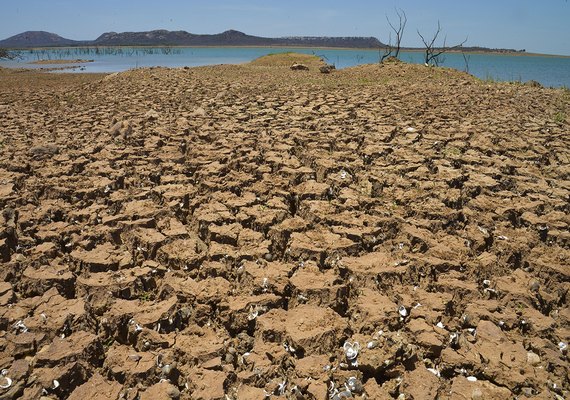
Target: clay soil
(252,232)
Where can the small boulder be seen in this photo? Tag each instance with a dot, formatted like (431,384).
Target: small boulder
(299,67)
(327,69)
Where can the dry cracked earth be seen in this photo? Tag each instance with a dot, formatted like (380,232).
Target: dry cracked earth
(252,232)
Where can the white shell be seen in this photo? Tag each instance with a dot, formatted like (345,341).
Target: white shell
(7,384)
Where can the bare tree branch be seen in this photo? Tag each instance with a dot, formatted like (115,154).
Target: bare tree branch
(433,53)
(394,50)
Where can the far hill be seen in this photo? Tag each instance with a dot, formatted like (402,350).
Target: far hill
(227,38)
(164,37)
(38,39)
(182,38)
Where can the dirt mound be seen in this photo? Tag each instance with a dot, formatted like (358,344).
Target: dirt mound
(288,59)
(238,232)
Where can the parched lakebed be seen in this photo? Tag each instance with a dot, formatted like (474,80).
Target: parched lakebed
(252,232)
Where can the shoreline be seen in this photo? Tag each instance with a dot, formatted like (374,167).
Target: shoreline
(404,50)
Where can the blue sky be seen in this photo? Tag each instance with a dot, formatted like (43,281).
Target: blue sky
(537,26)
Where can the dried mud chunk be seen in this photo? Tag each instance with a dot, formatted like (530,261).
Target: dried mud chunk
(213,213)
(129,366)
(454,282)
(312,367)
(172,228)
(225,234)
(238,312)
(55,314)
(182,254)
(183,288)
(206,384)
(373,270)
(143,209)
(309,329)
(5,250)
(372,310)
(160,391)
(252,245)
(426,337)
(144,241)
(80,346)
(251,392)
(124,284)
(280,233)
(23,344)
(264,277)
(463,389)
(420,384)
(146,315)
(212,290)
(97,388)
(315,211)
(261,217)
(199,345)
(36,281)
(312,190)
(61,380)
(376,391)
(507,366)
(311,286)
(6,293)
(102,258)
(318,243)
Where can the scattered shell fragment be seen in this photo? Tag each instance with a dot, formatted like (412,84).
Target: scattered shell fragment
(472,379)
(5,382)
(55,384)
(20,327)
(351,350)
(563,346)
(354,385)
(403,311)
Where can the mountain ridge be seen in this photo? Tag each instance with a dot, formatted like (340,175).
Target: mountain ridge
(163,37)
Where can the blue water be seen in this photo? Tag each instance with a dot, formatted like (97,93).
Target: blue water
(549,71)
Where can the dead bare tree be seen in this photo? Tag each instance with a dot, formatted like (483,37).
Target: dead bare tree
(6,54)
(433,53)
(388,50)
(394,50)
(467,59)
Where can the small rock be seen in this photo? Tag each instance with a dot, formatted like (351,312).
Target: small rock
(152,115)
(532,358)
(299,67)
(44,150)
(327,69)
(121,128)
(477,394)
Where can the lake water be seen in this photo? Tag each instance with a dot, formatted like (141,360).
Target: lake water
(548,70)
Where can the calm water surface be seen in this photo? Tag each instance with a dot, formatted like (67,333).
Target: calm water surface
(549,71)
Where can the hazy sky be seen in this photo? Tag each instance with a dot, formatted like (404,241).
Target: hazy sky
(537,26)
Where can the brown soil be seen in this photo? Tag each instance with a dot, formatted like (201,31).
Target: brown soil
(237,232)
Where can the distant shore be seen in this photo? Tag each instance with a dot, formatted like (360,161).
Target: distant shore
(405,50)
(61,61)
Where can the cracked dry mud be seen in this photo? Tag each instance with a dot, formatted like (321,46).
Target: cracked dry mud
(251,232)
